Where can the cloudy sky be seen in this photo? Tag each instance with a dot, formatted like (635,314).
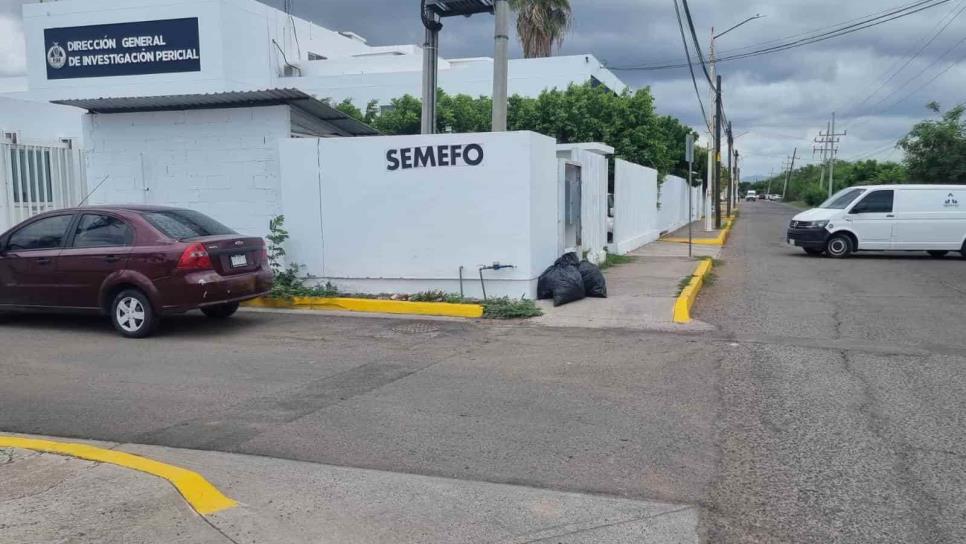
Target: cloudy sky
(776,102)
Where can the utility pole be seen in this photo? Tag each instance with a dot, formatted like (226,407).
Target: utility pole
(788,177)
(829,140)
(737,178)
(717,156)
(430,71)
(501,64)
(708,206)
(731,171)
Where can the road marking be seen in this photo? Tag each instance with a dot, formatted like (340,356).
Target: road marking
(201,495)
(372,305)
(720,240)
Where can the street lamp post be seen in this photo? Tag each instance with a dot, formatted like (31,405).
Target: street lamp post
(713,201)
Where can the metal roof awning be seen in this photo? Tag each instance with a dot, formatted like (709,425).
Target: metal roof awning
(232,99)
(452,8)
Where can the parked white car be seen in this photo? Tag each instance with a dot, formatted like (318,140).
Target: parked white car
(929,218)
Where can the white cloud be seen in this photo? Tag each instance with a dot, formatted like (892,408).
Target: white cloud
(13,54)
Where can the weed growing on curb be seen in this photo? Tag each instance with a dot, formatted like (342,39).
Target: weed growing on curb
(613,260)
(507,308)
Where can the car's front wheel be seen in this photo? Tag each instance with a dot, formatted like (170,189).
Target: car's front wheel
(132,314)
(221,311)
(839,246)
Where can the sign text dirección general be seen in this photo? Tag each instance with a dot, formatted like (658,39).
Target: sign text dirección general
(123,49)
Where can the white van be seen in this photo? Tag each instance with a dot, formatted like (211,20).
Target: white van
(929,218)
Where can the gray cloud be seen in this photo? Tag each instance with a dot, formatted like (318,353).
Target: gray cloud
(781,100)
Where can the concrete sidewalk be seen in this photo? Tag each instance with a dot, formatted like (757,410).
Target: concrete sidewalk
(641,294)
(48,498)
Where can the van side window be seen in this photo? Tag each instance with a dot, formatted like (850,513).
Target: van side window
(876,202)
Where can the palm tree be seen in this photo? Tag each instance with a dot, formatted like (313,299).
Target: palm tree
(542,25)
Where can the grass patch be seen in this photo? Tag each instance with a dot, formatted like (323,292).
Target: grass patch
(613,260)
(715,263)
(682,285)
(436,296)
(507,308)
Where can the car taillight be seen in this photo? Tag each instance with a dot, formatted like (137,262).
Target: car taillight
(264,255)
(195,258)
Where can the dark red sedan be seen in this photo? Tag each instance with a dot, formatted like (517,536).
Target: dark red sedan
(134,263)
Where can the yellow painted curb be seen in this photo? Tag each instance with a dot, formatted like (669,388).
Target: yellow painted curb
(201,495)
(372,306)
(684,302)
(719,240)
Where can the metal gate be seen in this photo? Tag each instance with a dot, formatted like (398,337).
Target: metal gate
(38,178)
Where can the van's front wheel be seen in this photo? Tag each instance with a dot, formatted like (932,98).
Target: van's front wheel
(839,246)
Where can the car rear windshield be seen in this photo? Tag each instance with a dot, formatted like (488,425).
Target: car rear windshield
(842,199)
(185,224)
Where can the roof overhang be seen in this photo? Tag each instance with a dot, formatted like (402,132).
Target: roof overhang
(452,8)
(233,99)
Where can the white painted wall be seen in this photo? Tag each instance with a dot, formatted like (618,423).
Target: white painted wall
(371,230)
(635,203)
(222,162)
(673,212)
(593,160)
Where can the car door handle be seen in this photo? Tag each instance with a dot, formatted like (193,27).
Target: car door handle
(43,260)
(889,215)
(112,258)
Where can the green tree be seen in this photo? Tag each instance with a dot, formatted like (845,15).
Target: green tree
(936,149)
(542,25)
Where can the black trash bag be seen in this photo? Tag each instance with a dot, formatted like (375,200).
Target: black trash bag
(562,282)
(594,283)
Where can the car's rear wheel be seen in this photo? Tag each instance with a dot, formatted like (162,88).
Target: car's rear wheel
(839,246)
(132,314)
(938,253)
(221,311)
(813,251)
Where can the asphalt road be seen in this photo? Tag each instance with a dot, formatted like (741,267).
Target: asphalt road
(843,410)
(828,407)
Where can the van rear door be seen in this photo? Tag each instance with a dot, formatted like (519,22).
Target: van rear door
(930,219)
(872,219)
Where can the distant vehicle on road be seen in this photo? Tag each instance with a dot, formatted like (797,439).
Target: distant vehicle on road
(133,263)
(751,196)
(930,218)
(761,196)
(774,198)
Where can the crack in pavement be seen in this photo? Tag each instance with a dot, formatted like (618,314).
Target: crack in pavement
(927,522)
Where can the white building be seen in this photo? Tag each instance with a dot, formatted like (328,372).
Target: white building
(131,49)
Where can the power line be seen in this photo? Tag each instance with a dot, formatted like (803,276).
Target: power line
(687,53)
(838,32)
(893,72)
(915,78)
(697,43)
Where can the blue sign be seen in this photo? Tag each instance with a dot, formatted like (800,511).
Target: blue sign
(123,49)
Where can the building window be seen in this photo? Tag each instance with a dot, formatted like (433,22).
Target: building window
(31,175)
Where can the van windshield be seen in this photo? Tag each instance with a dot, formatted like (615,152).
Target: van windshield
(842,199)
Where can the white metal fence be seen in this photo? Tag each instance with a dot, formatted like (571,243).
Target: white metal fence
(38,178)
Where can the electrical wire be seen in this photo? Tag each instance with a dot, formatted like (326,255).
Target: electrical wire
(687,53)
(915,78)
(893,72)
(838,32)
